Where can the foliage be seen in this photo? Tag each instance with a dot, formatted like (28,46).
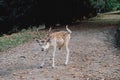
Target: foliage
(99,4)
(25,13)
(112,5)
(106,5)
(15,39)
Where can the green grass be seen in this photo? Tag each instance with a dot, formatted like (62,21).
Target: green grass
(106,18)
(15,39)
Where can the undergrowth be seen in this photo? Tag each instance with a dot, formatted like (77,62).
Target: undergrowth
(21,37)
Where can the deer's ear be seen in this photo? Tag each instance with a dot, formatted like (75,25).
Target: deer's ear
(37,39)
(49,31)
(48,40)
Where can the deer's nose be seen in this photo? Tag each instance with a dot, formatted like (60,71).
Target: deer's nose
(42,49)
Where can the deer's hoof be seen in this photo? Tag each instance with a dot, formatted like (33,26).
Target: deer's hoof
(40,67)
(65,64)
(53,67)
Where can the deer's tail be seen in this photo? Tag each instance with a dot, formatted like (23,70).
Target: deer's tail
(69,31)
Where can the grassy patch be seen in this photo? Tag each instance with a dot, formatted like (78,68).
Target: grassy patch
(105,18)
(15,39)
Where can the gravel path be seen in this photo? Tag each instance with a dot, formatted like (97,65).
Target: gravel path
(92,57)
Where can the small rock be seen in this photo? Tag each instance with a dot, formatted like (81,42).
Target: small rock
(22,57)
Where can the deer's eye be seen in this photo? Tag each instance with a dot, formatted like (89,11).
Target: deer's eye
(37,40)
(42,41)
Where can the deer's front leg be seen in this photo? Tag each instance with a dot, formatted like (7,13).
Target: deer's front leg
(43,61)
(53,64)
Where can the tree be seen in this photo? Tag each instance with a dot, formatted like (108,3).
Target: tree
(112,5)
(105,5)
(25,13)
(98,4)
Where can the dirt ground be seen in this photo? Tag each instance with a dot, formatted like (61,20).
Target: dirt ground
(92,57)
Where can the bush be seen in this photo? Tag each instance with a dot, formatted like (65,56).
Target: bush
(105,5)
(35,12)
